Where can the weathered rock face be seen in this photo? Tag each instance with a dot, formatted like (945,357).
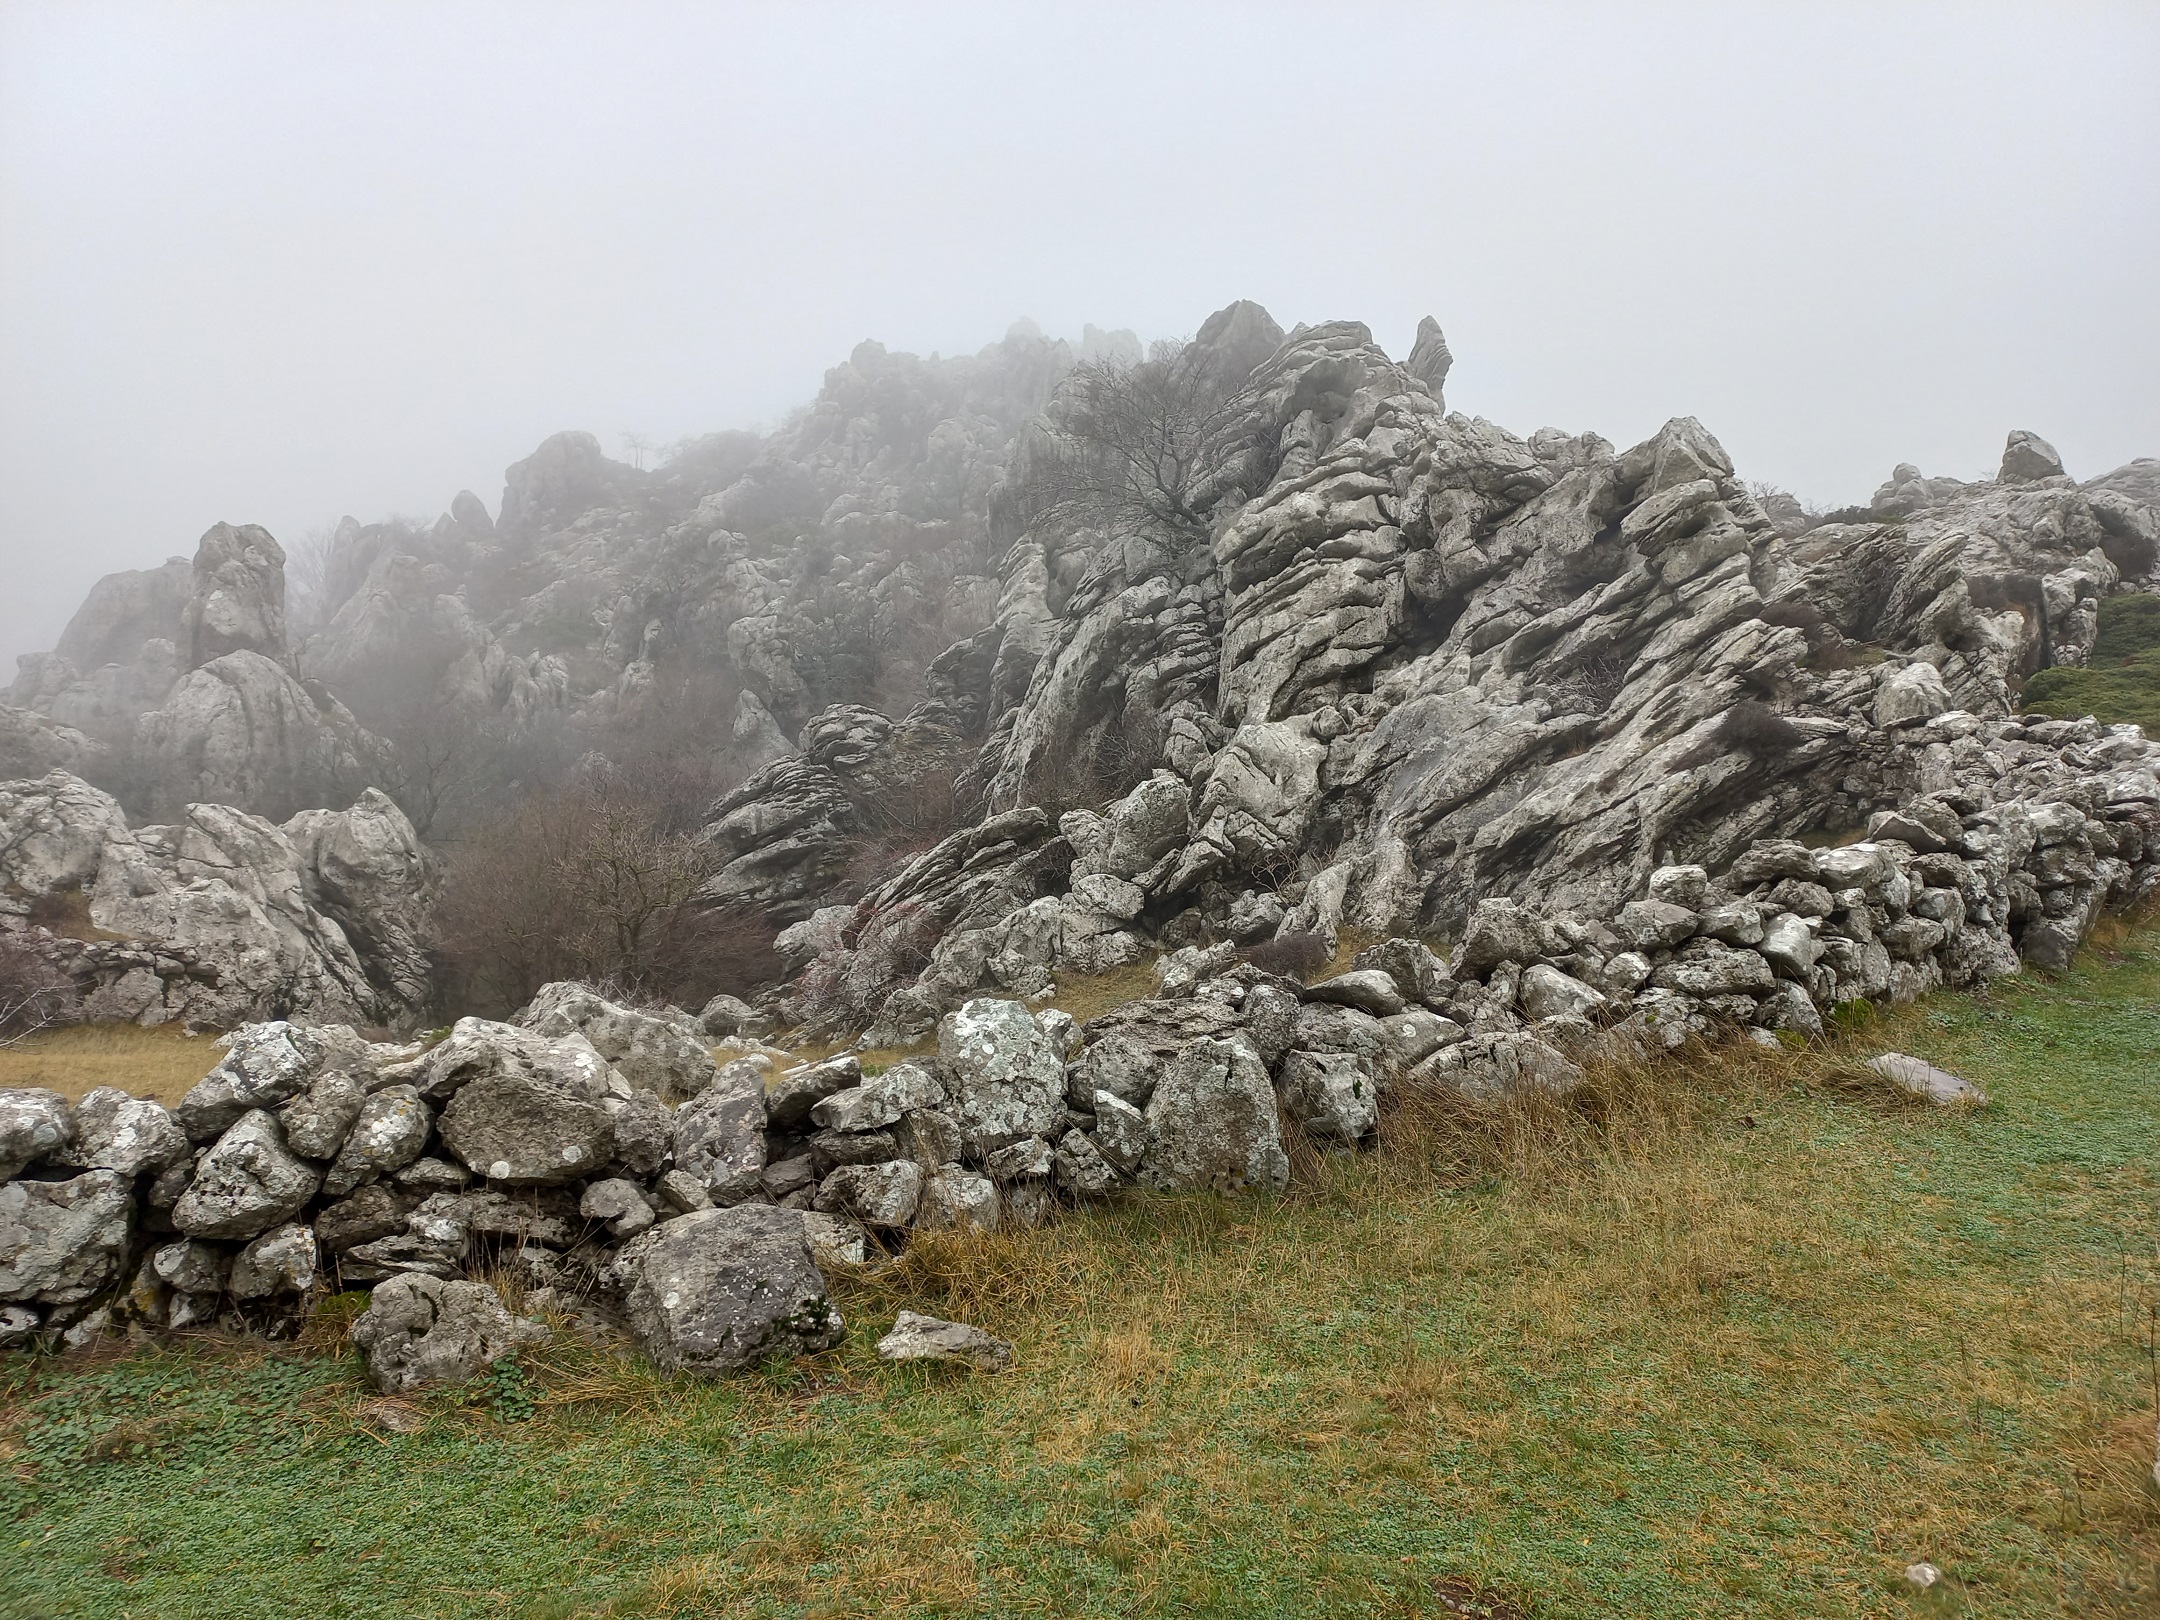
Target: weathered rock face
(222,918)
(237,600)
(526,1113)
(723,1289)
(62,1243)
(1464,666)
(420,1330)
(652,1053)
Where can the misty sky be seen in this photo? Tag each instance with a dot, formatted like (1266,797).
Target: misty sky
(275,263)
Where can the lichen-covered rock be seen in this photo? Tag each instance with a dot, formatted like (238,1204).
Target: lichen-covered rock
(1493,1067)
(62,1243)
(247,1183)
(1006,1079)
(619,1205)
(876,1194)
(318,1120)
(791,1097)
(1212,1123)
(34,1125)
(264,1065)
(281,1261)
(927,1338)
(954,1198)
(720,1133)
(723,1289)
(1121,1133)
(389,1131)
(652,1052)
(1370,990)
(420,1330)
(1334,1095)
(526,1111)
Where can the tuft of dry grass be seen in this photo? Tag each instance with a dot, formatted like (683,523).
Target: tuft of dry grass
(160,1063)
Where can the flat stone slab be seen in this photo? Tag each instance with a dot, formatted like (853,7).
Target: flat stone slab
(926,1338)
(1925,1081)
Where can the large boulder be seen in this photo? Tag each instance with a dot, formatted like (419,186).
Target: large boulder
(247,1183)
(264,1065)
(535,1119)
(421,1330)
(62,1243)
(653,1053)
(1212,1123)
(722,1289)
(1005,1076)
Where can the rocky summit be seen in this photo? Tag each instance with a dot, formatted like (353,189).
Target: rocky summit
(1390,749)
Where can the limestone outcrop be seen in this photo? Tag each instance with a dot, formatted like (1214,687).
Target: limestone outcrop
(221,917)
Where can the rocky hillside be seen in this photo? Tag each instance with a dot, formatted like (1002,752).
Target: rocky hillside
(1045,659)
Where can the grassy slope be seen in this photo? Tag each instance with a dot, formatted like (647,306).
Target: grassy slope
(2122,680)
(1746,1345)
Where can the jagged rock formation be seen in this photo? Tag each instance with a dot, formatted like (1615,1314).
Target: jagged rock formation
(221,917)
(1415,661)
(1349,660)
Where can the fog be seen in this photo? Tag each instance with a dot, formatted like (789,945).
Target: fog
(273,264)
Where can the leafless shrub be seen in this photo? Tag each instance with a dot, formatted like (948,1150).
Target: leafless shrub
(34,994)
(1592,685)
(1755,728)
(585,883)
(1294,956)
(1130,443)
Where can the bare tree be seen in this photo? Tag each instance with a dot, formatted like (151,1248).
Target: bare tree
(307,580)
(1130,442)
(588,882)
(640,445)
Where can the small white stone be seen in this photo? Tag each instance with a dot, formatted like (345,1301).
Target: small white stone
(500,1169)
(1922,1574)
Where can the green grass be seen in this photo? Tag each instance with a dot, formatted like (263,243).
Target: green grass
(1735,1339)
(2121,682)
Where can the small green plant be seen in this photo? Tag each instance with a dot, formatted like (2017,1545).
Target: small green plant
(507,1391)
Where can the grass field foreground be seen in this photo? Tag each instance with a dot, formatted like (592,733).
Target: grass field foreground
(1740,1337)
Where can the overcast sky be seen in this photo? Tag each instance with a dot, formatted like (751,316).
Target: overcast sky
(274,263)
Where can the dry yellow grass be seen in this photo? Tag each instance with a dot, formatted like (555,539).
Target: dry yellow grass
(159,1063)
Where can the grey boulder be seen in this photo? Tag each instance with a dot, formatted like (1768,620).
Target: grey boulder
(1006,1077)
(246,1184)
(1334,1095)
(652,1052)
(534,1117)
(722,1289)
(281,1261)
(421,1330)
(387,1134)
(63,1242)
(265,1064)
(1926,1082)
(133,1135)
(1212,1123)
(33,1125)
(720,1134)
